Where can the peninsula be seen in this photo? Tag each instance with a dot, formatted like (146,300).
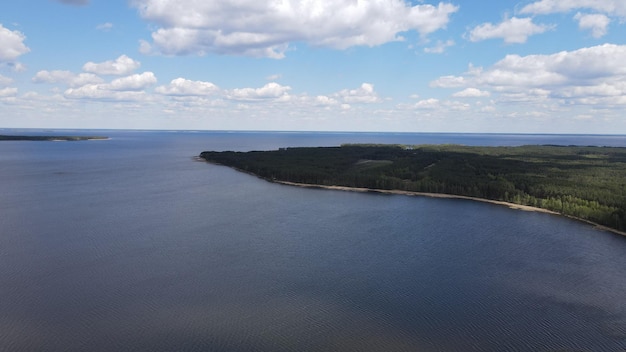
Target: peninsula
(50,138)
(582,182)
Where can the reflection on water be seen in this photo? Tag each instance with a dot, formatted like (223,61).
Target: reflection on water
(130,245)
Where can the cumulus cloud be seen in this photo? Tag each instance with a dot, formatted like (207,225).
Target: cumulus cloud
(134,82)
(17,66)
(145,47)
(270,91)
(184,93)
(105,27)
(427,104)
(594,74)
(323,100)
(596,23)
(185,87)
(125,88)
(66,77)
(448,82)
(121,66)
(456,106)
(5,81)
(440,47)
(435,107)
(266,28)
(364,94)
(512,30)
(8,92)
(544,7)
(11,44)
(97,92)
(471,93)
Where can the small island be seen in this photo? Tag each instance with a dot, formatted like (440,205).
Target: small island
(50,138)
(583,182)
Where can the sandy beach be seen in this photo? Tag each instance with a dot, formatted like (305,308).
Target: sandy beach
(427,194)
(451,196)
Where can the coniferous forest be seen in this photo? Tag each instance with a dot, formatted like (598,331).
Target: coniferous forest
(588,183)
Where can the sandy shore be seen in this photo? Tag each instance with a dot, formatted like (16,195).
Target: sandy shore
(423,194)
(452,196)
(432,195)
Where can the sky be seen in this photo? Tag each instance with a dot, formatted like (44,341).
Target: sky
(489,66)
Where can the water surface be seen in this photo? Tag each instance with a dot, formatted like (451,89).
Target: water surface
(130,244)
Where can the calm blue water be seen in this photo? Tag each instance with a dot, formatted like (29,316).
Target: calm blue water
(129,244)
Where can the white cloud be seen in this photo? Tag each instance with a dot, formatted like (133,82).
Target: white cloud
(597,23)
(269,91)
(123,65)
(105,27)
(130,88)
(512,30)
(471,93)
(456,106)
(134,82)
(5,81)
(604,89)
(17,66)
(266,28)
(595,74)
(529,96)
(544,7)
(145,47)
(323,100)
(440,47)
(11,44)
(52,76)
(435,106)
(364,94)
(427,104)
(8,92)
(66,77)
(98,92)
(185,87)
(448,82)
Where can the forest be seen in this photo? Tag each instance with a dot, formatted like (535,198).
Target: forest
(584,182)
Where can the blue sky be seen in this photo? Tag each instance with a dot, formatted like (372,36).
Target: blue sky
(533,66)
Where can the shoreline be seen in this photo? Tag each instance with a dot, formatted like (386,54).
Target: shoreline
(446,196)
(424,194)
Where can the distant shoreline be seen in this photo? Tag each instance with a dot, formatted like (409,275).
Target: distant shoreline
(52,138)
(447,196)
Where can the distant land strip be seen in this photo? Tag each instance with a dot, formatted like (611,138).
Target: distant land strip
(51,138)
(581,182)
